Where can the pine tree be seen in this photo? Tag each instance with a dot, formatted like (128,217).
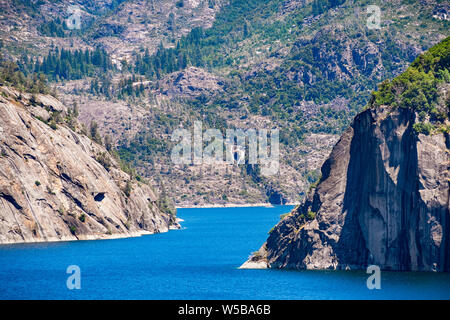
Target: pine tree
(95,135)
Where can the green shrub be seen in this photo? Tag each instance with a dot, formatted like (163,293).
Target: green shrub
(166,205)
(53,125)
(423,127)
(311,215)
(104,160)
(50,190)
(445,129)
(128,189)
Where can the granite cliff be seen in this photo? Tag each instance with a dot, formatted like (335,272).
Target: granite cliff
(383,197)
(57,184)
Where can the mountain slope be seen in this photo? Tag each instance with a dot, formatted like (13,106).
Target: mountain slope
(287,68)
(120,26)
(57,184)
(383,197)
(305,67)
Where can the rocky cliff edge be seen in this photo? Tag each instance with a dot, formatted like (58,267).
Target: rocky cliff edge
(57,184)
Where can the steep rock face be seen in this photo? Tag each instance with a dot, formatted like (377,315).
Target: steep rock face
(54,187)
(383,199)
(191,82)
(340,57)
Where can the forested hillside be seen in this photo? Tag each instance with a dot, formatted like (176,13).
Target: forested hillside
(140,69)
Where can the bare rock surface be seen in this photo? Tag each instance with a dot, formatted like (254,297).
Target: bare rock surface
(191,82)
(383,199)
(57,184)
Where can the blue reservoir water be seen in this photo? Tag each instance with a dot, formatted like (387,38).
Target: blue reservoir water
(198,262)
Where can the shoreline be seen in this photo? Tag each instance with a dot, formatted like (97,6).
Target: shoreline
(86,237)
(94,237)
(233,205)
(137,233)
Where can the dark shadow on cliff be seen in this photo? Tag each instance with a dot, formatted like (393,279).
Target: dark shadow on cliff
(383,216)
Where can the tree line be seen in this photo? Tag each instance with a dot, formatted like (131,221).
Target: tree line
(10,75)
(64,64)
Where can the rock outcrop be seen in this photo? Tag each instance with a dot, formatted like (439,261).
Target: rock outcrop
(383,198)
(57,184)
(191,82)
